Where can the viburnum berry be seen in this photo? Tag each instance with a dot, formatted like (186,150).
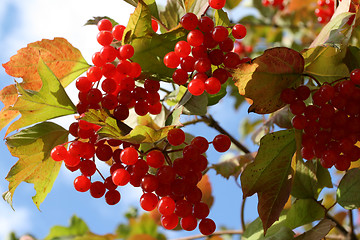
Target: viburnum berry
(59,153)
(166,206)
(195,38)
(129,156)
(207,226)
(238,31)
(171,60)
(221,143)
(104,25)
(188,223)
(112,197)
(155,158)
(169,222)
(120,177)
(118,31)
(97,189)
(176,136)
(196,87)
(355,76)
(148,201)
(82,183)
(154,25)
(217,4)
(189,21)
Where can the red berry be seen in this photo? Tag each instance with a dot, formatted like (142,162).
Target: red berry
(217,4)
(112,197)
(171,60)
(155,158)
(129,156)
(82,183)
(166,206)
(104,24)
(238,31)
(189,21)
(176,136)
(221,143)
(207,226)
(148,201)
(196,87)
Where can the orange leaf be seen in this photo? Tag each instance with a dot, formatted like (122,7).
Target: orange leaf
(264,78)
(65,61)
(205,187)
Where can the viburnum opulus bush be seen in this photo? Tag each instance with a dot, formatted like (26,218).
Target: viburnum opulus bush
(148,73)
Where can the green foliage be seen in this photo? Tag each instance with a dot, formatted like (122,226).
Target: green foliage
(270,175)
(348,191)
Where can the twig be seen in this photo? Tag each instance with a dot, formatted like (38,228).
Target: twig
(212,123)
(314,79)
(242,214)
(352,233)
(231,232)
(193,121)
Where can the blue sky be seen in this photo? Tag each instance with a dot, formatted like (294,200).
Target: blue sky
(22,22)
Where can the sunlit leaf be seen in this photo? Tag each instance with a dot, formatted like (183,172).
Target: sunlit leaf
(33,146)
(305,181)
(50,102)
(348,192)
(206,189)
(78,230)
(221,18)
(325,64)
(270,175)
(266,76)
(337,31)
(65,61)
(230,4)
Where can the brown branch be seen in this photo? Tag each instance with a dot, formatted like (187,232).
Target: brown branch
(231,232)
(214,124)
(352,233)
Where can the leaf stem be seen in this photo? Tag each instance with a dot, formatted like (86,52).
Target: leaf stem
(229,232)
(242,214)
(214,124)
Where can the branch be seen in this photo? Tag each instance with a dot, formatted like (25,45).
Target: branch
(352,233)
(212,123)
(231,232)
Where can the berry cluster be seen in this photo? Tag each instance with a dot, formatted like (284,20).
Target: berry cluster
(279,4)
(331,124)
(324,11)
(206,46)
(172,189)
(115,74)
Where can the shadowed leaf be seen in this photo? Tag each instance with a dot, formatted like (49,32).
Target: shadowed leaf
(270,175)
(348,192)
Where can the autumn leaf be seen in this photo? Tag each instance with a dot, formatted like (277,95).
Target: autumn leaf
(65,61)
(50,102)
(270,175)
(264,78)
(206,189)
(33,146)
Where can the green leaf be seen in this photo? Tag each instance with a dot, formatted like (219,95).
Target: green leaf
(337,31)
(50,102)
(95,20)
(266,76)
(319,231)
(270,175)
(230,4)
(150,51)
(177,96)
(77,228)
(304,211)
(305,181)
(174,117)
(215,98)
(175,9)
(33,146)
(348,192)
(283,233)
(221,18)
(139,24)
(197,105)
(325,64)
(352,57)
(323,177)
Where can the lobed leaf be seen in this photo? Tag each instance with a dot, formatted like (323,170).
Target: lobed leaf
(266,76)
(62,58)
(50,102)
(33,146)
(348,192)
(270,175)
(325,64)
